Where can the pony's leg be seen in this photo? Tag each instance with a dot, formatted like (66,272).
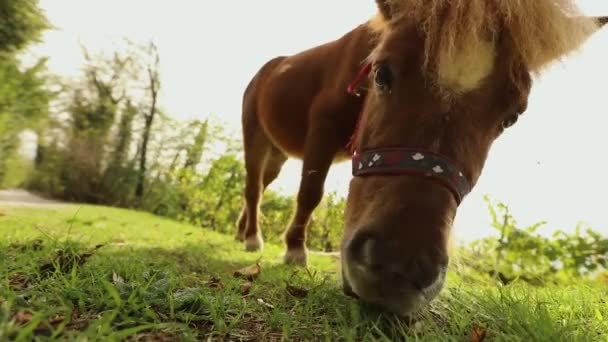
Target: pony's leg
(257,146)
(242,224)
(272,167)
(318,157)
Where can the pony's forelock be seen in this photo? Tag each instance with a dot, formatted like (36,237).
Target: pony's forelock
(538,31)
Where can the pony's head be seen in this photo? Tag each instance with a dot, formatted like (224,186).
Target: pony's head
(446,79)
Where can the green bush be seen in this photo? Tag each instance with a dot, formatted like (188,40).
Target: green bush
(524,254)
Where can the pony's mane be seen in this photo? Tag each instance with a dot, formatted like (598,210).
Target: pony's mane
(538,31)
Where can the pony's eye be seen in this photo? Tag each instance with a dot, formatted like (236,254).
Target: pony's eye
(510,121)
(383,76)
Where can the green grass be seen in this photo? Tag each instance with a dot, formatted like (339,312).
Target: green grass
(97,273)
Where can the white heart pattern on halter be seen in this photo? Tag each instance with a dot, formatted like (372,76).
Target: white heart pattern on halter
(418,156)
(402,161)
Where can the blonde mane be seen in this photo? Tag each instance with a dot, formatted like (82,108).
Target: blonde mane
(537,31)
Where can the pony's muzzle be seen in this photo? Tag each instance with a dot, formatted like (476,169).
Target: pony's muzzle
(380,271)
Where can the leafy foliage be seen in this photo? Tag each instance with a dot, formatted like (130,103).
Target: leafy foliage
(21,22)
(24,103)
(325,230)
(525,254)
(24,92)
(192,171)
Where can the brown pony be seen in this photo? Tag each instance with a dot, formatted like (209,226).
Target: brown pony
(440,81)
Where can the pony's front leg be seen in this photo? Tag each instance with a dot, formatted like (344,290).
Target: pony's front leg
(318,157)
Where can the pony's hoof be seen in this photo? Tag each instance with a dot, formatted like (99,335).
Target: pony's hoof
(295,257)
(254,244)
(239,237)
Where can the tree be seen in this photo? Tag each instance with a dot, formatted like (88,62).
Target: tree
(195,152)
(124,135)
(24,96)
(24,103)
(326,225)
(153,89)
(22,23)
(94,103)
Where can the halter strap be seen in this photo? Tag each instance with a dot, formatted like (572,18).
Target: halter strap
(353,89)
(405,161)
(353,86)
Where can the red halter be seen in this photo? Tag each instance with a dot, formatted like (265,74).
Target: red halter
(353,89)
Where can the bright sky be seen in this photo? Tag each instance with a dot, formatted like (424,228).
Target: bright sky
(551,166)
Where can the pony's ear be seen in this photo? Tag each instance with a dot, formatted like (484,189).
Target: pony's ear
(601,20)
(384,7)
(580,28)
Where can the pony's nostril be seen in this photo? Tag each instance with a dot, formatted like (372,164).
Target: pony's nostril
(367,253)
(426,275)
(384,260)
(420,284)
(361,247)
(395,276)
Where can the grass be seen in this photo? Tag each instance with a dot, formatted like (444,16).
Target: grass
(98,273)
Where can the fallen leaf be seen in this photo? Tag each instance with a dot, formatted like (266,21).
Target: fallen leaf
(478,334)
(215,283)
(246,288)
(23,317)
(249,273)
(54,320)
(75,314)
(268,305)
(18,281)
(298,292)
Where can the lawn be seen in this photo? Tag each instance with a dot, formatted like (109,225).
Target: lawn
(98,273)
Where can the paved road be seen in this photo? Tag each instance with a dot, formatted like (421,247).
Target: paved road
(22,198)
